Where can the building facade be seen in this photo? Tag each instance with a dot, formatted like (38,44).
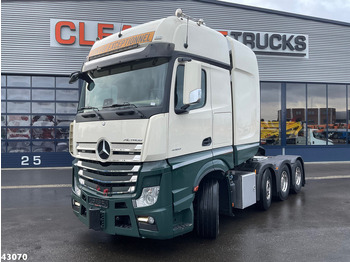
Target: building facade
(304,65)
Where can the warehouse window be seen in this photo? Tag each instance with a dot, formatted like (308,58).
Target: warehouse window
(270,113)
(18,81)
(36,113)
(315,114)
(348,117)
(296,114)
(337,114)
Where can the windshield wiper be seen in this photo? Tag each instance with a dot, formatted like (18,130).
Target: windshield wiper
(129,106)
(95,109)
(87,107)
(119,105)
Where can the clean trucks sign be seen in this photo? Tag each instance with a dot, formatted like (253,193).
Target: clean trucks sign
(268,43)
(76,33)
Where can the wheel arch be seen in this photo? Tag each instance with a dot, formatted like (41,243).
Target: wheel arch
(218,173)
(214,169)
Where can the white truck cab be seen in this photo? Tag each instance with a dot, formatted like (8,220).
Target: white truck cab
(169,123)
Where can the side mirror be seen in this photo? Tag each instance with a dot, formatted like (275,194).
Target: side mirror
(74,77)
(192,83)
(80,75)
(195,96)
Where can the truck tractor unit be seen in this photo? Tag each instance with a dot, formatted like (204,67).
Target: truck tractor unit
(166,137)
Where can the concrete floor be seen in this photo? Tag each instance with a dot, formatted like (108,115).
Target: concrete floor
(311,226)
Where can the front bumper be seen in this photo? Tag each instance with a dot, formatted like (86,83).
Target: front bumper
(119,217)
(170,216)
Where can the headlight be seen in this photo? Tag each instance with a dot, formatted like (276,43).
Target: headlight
(71,126)
(76,188)
(81,181)
(148,197)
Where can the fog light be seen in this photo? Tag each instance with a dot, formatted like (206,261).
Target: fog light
(148,197)
(142,219)
(76,203)
(148,220)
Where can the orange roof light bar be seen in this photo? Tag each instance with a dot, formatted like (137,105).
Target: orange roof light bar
(122,43)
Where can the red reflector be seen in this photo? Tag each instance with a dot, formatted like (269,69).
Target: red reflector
(223,32)
(126,27)
(195,189)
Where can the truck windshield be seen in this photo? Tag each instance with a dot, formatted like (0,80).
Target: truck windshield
(139,83)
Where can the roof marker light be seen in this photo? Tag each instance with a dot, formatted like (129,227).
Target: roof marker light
(180,14)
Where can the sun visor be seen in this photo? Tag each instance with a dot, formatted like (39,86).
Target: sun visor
(151,50)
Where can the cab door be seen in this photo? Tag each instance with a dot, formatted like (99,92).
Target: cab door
(190,130)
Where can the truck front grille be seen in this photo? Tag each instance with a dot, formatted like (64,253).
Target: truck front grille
(120,152)
(115,178)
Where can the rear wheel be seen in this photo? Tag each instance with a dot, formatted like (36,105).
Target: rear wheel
(298,177)
(265,191)
(208,209)
(284,183)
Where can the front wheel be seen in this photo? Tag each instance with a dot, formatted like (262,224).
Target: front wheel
(208,209)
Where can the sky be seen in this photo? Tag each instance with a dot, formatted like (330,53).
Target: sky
(338,10)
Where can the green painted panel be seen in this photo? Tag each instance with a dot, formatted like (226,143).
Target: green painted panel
(173,211)
(223,158)
(245,152)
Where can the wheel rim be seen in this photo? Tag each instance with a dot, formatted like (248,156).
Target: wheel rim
(268,189)
(297,176)
(284,181)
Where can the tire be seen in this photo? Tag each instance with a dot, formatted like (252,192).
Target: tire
(284,183)
(298,177)
(266,190)
(208,209)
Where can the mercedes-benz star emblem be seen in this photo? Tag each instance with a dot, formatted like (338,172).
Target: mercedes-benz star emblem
(103,149)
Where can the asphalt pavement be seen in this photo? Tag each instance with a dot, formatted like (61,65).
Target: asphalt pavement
(313,225)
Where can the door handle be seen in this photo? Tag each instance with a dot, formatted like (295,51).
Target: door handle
(206,141)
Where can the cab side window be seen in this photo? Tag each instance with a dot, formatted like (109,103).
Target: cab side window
(179,85)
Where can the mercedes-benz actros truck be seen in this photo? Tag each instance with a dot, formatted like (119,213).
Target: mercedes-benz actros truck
(166,137)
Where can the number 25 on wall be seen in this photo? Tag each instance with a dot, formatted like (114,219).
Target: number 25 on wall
(25,160)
